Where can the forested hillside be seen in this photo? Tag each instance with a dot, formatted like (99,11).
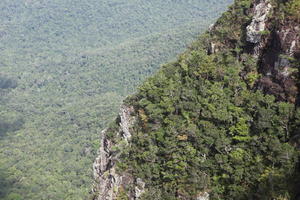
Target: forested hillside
(221,122)
(65,66)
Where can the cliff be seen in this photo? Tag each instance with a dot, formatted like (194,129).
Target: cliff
(222,122)
(108,183)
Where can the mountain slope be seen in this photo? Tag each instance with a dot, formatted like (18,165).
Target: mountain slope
(222,122)
(72,62)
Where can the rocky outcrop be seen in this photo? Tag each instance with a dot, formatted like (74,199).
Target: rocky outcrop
(212,48)
(139,188)
(276,62)
(106,178)
(275,43)
(258,27)
(126,122)
(203,196)
(108,182)
(258,23)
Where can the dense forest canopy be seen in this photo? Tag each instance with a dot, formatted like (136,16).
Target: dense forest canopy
(65,66)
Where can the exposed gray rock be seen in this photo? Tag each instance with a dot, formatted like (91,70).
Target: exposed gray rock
(203,196)
(289,36)
(293,46)
(126,121)
(258,23)
(212,48)
(139,188)
(105,176)
(107,181)
(211,27)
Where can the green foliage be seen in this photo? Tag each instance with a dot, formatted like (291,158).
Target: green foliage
(293,9)
(65,66)
(122,195)
(265,32)
(228,33)
(219,135)
(207,129)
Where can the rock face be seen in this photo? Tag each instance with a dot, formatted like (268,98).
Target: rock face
(104,172)
(274,46)
(126,122)
(139,188)
(274,42)
(258,24)
(109,183)
(276,65)
(203,196)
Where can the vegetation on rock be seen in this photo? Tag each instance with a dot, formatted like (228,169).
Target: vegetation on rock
(65,67)
(205,125)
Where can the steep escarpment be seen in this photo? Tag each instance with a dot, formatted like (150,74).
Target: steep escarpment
(222,122)
(272,37)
